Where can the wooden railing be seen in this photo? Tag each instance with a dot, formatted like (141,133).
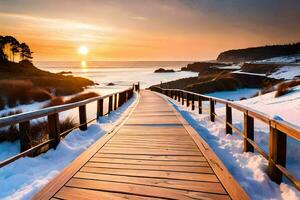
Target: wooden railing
(115,100)
(279,130)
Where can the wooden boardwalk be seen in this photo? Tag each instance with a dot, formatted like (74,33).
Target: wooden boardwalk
(155,154)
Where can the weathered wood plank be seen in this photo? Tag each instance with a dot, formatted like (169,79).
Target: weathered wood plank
(154,174)
(168,183)
(143,190)
(78,193)
(200,162)
(152,157)
(191,169)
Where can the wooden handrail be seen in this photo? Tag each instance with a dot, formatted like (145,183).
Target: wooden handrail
(53,121)
(279,130)
(26,116)
(292,130)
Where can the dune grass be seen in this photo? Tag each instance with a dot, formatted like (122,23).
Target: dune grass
(39,130)
(55,101)
(285,87)
(81,97)
(12,133)
(21,92)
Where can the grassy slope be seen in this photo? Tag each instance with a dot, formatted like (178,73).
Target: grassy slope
(62,84)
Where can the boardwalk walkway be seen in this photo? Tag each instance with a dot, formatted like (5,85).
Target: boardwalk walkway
(155,154)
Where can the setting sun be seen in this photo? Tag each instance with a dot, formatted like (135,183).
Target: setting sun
(83,50)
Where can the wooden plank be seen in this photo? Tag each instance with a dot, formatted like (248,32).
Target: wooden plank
(78,193)
(201,162)
(161,149)
(152,157)
(189,169)
(154,174)
(143,190)
(155,146)
(150,152)
(168,183)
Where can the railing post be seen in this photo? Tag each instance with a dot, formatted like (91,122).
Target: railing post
(99,108)
(175,95)
(82,118)
(193,102)
(54,129)
(228,119)
(115,102)
(248,132)
(25,137)
(187,99)
(212,110)
(277,150)
(200,104)
(120,100)
(178,96)
(110,103)
(182,98)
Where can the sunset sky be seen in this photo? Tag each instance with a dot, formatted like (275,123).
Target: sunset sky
(148,29)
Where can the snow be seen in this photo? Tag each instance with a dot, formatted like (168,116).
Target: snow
(286,72)
(249,169)
(229,67)
(287,107)
(280,59)
(24,177)
(235,94)
(249,73)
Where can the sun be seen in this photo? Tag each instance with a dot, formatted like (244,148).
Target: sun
(83,50)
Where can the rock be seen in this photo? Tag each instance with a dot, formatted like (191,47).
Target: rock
(162,70)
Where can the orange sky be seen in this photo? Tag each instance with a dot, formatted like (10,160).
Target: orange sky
(147,30)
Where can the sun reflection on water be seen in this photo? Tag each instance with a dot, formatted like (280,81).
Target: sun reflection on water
(84,66)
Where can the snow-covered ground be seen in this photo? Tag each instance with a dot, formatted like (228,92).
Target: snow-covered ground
(24,177)
(249,169)
(280,59)
(235,94)
(286,72)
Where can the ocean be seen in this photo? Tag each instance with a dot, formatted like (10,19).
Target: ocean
(121,73)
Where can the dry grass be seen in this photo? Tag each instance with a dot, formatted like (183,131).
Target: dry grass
(39,94)
(22,92)
(285,87)
(82,97)
(39,130)
(12,133)
(55,101)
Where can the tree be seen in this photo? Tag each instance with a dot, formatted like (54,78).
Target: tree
(25,52)
(12,47)
(13,44)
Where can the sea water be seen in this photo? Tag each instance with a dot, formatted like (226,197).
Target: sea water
(121,74)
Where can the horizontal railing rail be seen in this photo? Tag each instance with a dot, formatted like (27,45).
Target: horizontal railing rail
(279,130)
(115,100)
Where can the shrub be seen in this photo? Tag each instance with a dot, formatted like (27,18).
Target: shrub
(285,87)
(55,101)
(67,124)
(39,94)
(15,91)
(81,97)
